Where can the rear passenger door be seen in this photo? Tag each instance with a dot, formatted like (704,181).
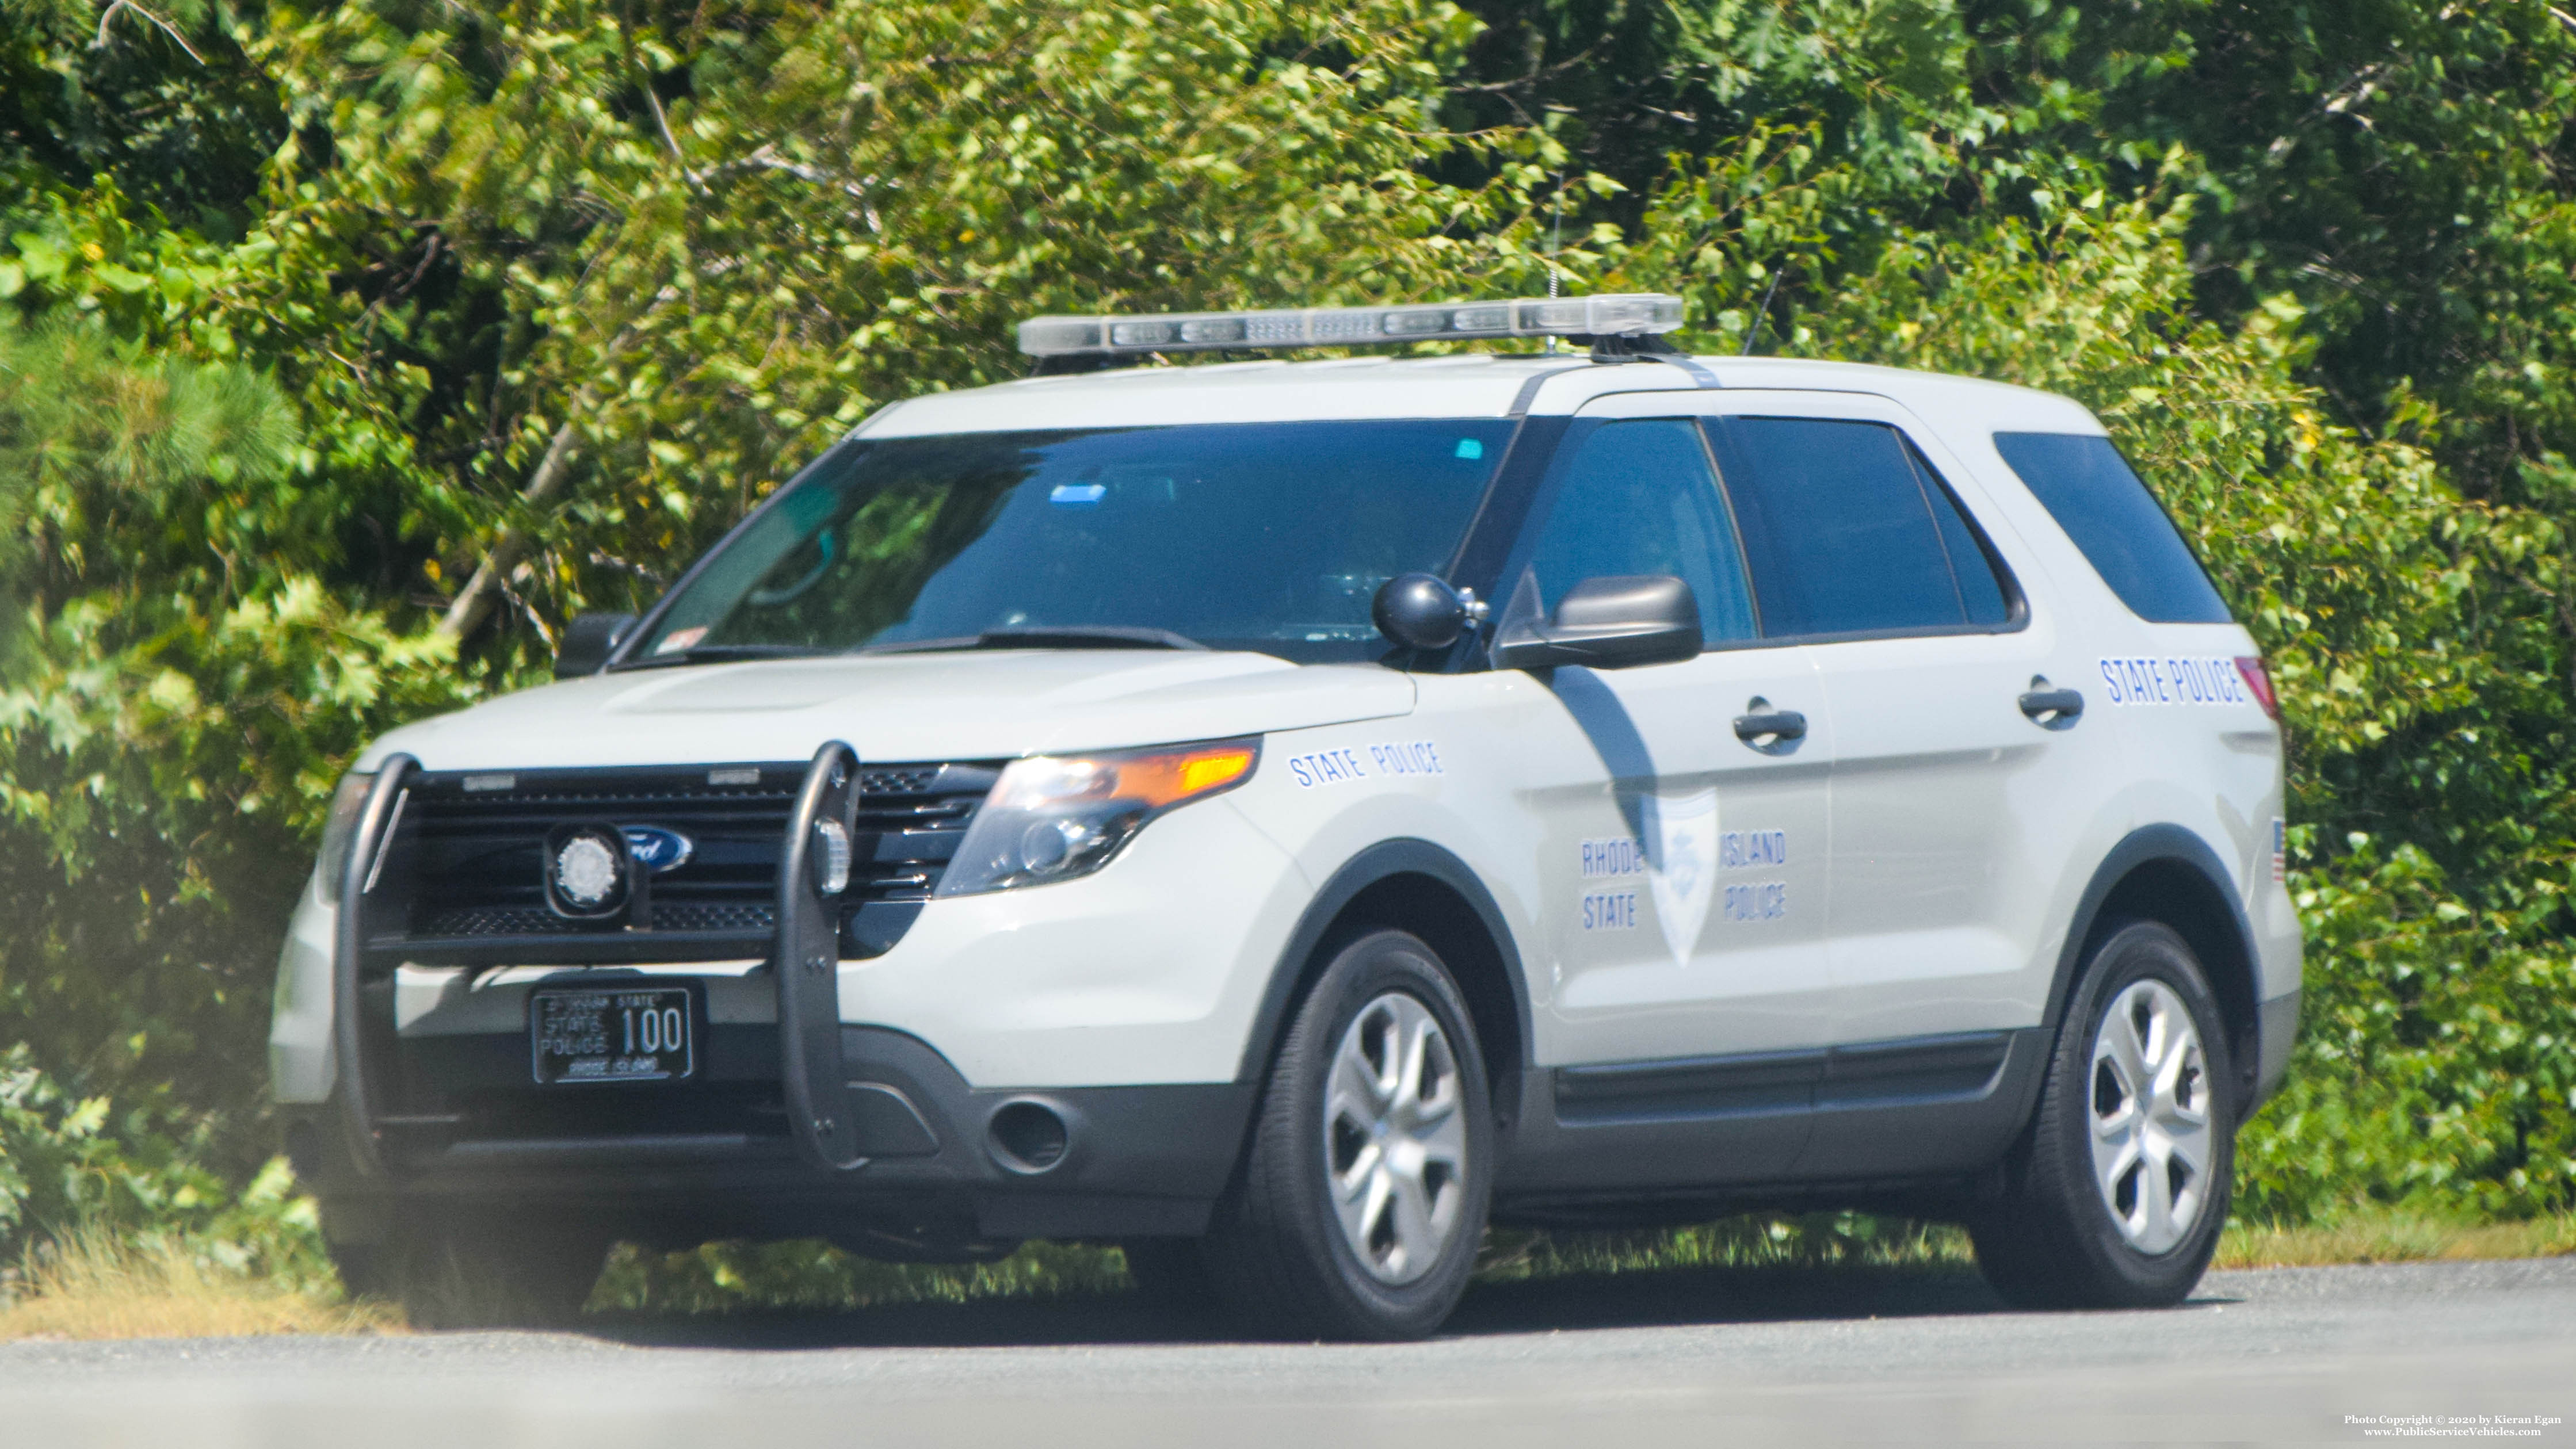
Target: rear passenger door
(1861,551)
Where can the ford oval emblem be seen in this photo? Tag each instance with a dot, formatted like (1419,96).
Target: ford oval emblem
(657,849)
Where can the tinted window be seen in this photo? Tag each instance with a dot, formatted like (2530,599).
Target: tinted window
(1849,532)
(2103,505)
(1639,497)
(1264,536)
(1981,593)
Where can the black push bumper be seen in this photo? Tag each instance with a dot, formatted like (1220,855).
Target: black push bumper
(862,1135)
(943,1163)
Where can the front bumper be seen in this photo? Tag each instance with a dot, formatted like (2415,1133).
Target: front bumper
(937,1169)
(2277,1032)
(414,1089)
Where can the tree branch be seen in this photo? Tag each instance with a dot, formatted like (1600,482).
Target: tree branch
(474,604)
(107,16)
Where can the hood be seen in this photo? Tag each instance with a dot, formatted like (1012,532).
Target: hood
(899,707)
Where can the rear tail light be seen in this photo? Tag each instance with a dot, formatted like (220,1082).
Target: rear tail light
(2258,678)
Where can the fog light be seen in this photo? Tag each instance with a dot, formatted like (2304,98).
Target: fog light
(1048,844)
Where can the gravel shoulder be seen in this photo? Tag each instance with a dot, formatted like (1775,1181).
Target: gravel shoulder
(2273,1356)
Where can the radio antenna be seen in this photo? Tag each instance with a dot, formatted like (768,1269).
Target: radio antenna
(1753,329)
(1555,244)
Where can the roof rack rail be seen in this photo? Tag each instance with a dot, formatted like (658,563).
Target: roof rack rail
(1624,315)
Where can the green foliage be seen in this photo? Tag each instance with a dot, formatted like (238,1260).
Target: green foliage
(679,251)
(176,701)
(1754,1241)
(2399,167)
(157,97)
(1629,84)
(70,1166)
(2438,1056)
(810,1276)
(104,449)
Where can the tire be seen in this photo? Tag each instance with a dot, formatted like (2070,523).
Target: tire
(1278,1251)
(362,1269)
(2107,1205)
(482,1272)
(1170,1276)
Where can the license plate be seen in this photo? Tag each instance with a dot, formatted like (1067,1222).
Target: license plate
(612,1034)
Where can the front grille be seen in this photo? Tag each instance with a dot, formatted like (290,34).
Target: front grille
(915,780)
(715,916)
(471,848)
(497,921)
(538,921)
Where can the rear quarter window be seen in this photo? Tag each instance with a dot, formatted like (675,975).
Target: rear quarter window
(2124,533)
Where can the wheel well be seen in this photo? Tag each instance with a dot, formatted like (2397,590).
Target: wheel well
(2176,894)
(1434,910)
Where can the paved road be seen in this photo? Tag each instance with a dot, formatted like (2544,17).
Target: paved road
(2286,1356)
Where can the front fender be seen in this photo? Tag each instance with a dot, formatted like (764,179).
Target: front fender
(1388,861)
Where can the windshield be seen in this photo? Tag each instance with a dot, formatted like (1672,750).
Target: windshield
(1263,536)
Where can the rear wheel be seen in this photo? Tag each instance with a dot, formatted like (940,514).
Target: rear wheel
(2116,1197)
(1362,1198)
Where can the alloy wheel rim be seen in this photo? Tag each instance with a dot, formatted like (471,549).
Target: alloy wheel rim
(2150,1114)
(1395,1139)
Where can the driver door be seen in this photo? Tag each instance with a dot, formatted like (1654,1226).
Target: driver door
(1683,867)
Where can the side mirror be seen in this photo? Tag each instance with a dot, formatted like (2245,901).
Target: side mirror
(587,643)
(1421,611)
(1616,622)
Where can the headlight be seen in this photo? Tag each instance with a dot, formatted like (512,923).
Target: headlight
(1057,817)
(338,833)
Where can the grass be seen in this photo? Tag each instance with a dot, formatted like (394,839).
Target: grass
(94,1286)
(2383,1236)
(1819,1240)
(1812,1240)
(813,1276)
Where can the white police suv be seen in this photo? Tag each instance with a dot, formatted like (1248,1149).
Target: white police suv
(1281,817)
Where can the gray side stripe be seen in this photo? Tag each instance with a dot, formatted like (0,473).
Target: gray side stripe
(1699,371)
(1529,390)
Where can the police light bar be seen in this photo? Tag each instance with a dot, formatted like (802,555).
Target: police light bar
(1625,314)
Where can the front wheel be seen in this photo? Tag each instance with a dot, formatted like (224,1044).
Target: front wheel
(2116,1198)
(1361,1203)
(480,1271)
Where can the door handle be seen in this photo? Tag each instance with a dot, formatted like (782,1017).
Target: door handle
(1772,731)
(2051,708)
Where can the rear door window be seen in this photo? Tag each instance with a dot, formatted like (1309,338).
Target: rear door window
(1849,531)
(2105,507)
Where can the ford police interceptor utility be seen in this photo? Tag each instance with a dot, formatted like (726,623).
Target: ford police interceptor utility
(1281,817)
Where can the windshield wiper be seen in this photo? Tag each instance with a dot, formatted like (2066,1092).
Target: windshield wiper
(1073,636)
(723,654)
